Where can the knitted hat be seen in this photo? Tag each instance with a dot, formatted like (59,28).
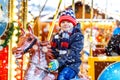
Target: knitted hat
(68,15)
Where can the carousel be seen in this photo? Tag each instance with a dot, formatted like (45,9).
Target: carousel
(25,32)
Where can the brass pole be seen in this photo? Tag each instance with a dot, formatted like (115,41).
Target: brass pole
(54,20)
(24,16)
(73,5)
(106,9)
(91,28)
(10,19)
(83,9)
(24,13)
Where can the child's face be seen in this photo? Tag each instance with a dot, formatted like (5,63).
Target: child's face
(66,25)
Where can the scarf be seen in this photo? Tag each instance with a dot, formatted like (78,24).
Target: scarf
(61,41)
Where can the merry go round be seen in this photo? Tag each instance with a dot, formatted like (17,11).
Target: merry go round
(15,69)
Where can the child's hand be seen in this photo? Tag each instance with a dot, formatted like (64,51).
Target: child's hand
(53,65)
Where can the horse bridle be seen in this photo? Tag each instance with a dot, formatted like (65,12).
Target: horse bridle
(31,45)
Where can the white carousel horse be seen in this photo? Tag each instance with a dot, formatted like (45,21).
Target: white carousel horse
(39,56)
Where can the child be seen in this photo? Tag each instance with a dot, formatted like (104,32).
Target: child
(66,46)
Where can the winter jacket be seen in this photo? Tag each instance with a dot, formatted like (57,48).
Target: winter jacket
(69,54)
(113,47)
(116,31)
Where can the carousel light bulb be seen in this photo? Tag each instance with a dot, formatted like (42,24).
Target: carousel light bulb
(18,77)
(20,14)
(15,31)
(21,9)
(15,38)
(14,72)
(15,24)
(15,17)
(15,2)
(14,44)
(15,10)
(18,71)
(14,66)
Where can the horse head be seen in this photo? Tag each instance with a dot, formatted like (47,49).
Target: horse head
(25,42)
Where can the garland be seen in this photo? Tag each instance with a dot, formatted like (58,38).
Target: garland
(8,36)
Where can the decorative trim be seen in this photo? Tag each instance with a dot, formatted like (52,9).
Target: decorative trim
(8,36)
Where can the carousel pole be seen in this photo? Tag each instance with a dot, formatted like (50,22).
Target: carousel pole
(90,58)
(91,28)
(24,13)
(73,5)
(83,10)
(10,19)
(54,20)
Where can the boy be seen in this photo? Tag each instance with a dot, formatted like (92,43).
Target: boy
(66,46)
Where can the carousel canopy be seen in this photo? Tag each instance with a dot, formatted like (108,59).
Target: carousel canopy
(47,8)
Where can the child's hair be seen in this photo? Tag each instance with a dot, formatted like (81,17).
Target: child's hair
(117,23)
(68,15)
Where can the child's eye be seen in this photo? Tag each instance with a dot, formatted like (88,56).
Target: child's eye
(63,21)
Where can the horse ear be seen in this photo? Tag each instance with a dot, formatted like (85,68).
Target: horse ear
(30,28)
(22,32)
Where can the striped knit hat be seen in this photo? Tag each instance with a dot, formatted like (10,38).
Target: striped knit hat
(68,15)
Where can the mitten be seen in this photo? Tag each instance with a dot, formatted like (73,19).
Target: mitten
(53,65)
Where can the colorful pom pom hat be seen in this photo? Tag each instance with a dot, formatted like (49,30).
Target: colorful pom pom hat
(68,15)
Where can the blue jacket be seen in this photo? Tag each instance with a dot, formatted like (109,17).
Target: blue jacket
(72,57)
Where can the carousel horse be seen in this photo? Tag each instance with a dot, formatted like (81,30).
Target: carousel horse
(39,53)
